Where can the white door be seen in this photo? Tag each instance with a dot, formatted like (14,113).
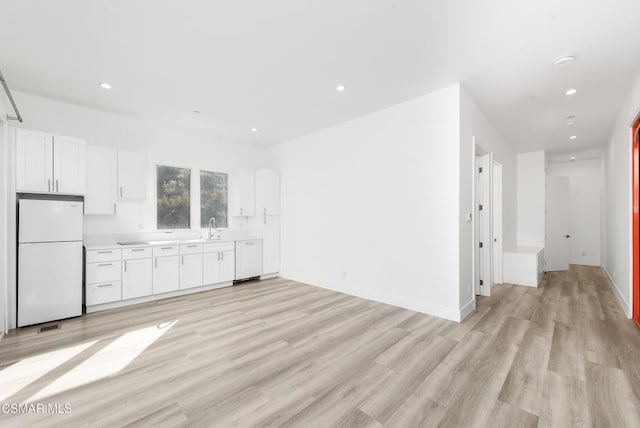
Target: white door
(248,259)
(49,282)
(34,161)
(483,234)
(166,274)
(191,271)
(557,224)
(68,165)
(137,278)
(271,245)
(132,176)
(268,192)
(227,266)
(496,228)
(101,191)
(212,268)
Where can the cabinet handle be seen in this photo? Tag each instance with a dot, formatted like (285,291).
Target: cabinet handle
(105,285)
(48,185)
(57,187)
(114,208)
(166,248)
(105,252)
(240,212)
(138,249)
(105,264)
(120,191)
(156,263)
(125,265)
(192,246)
(222,256)
(182,260)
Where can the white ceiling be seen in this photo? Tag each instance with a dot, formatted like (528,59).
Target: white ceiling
(274,65)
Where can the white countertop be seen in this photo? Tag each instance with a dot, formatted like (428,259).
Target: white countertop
(110,244)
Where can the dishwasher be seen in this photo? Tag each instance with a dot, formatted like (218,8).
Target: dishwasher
(248,259)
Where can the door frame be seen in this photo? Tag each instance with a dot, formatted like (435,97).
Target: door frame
(635,214)
(496,223)
(482,268)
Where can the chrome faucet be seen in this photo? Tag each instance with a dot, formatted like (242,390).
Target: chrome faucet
(212,219)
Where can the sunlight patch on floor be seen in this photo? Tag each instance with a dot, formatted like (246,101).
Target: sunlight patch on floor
(108,361)
(24,372)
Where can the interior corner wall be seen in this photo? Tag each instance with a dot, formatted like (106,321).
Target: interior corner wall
(475,125)
(370,206)
(4,215)
(617,186)
(531,183)
(163,143)
(585,201)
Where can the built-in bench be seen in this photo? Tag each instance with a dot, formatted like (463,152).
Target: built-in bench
(524,266)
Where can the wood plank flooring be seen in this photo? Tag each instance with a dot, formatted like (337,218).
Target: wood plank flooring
(281,353)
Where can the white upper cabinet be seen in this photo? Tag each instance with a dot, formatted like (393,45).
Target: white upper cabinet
(101,181)
(34,161)
(49,164)
(68,165)
(132,176)
(243,190)
(267,192)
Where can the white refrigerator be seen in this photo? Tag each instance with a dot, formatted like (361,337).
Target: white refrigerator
(49,260)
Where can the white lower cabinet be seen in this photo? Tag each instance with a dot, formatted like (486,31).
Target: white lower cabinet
(190,270)
(103,277)
(166,274)
(107,292)
(219,267)
(228,266)
(137,278)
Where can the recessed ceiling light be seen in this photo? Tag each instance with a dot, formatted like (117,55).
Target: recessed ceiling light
(105,85)
(340,88)
(254,129)
(572,158)
(563,62)
(571,120)
(573,137)
(571,92)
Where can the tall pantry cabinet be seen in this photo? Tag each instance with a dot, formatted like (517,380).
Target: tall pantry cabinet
(267,218)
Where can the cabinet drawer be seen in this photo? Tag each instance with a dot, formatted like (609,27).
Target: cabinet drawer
(137,253)
(168,250)
(191,249)
(219,247)
(103,272)
(98,294)
(95,256)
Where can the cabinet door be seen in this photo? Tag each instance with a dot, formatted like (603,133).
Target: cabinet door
(227,266)
(137,278)
(132,176)
(267,192)
(271,245)
(34,161)
(68,165)
(248,259)
(166,274)
(191,271)
(244,192)
(101,181)
(212,272)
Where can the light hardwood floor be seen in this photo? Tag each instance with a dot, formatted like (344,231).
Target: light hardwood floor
(280,353)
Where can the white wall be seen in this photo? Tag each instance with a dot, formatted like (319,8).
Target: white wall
(531,203)
(370,207)
(473,124)
(163,143)
(4,211)
(584,194)
(617,182)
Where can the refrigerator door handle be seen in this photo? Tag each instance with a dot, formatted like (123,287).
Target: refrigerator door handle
(48,185)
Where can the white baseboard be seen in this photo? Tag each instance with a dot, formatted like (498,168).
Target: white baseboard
(528,282)
(467,309)
(145,299)
(623,302)
(585,262)
(421,306)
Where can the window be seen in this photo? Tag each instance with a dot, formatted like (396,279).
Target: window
(174,193)
(213,198)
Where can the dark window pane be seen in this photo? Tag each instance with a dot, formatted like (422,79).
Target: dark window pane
(174,192)
(213,198)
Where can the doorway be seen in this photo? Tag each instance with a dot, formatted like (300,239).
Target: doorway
(635,186)
(488,222)
(557,247)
